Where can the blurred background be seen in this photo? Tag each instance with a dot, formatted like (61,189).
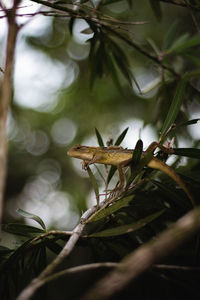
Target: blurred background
(54,106)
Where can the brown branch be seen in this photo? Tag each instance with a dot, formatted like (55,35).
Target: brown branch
(146,256)
(36,283)
(6,94)
(181,4)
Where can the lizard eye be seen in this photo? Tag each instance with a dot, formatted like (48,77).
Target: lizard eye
(78,147)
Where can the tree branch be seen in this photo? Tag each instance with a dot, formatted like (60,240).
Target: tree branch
(145,256)
(36,283)
(100,21)
(6,94)
(181,4)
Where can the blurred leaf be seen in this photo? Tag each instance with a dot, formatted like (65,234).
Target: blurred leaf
(168,192)
(170,35)
(112,208)
(153,46)
(4,250)
(129,227)
(188,152)
(121,137)
(137,153)
(28,215)
(53,246)
(87,31)
(71,24)
(99,138)
(109,61)
(156,7)
(183,43)
(195,60)
(21,229)
(94,184)
(175,107)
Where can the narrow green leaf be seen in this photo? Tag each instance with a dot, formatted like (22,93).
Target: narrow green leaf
(28,215)
(168,191)
(170,35)
(175,107)
(137,153)
(178,42)
(99,138)
(153,46)
(188,152)
(112,171)
(156,7)
(139,167)
(21,229)
(71,24)
(109,62)
(185,44)
(112,208)
(195,60)
(94,184)
(121,137)
(190,122)
(129,227)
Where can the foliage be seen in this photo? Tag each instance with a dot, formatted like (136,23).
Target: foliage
(106,93)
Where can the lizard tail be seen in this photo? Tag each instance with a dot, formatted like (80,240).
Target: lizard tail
(161,166)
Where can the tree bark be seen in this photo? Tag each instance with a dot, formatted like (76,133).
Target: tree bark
(6,96)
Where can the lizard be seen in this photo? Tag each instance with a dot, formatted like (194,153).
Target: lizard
(120,158)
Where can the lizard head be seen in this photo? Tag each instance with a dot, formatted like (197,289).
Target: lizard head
(81,152)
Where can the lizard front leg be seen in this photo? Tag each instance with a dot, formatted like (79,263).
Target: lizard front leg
(95,159)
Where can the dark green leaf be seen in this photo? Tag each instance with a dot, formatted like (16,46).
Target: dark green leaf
(175,107)
(190,122)
(121,137)
(195,60)
(129,227)
(112,208)
(156,7)
(99,138)
(94,184)
(188,152)
(5,250)
(21,229)
(111,173)
(168,191)
(53,246)
(139,167)
(71,24)
(137,154)
(28,215)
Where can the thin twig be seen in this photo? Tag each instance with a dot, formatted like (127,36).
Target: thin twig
(81,268)
(181,4)
(175,267)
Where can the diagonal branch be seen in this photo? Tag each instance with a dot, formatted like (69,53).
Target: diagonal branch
(146,256)
(181,4)
(108,27)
